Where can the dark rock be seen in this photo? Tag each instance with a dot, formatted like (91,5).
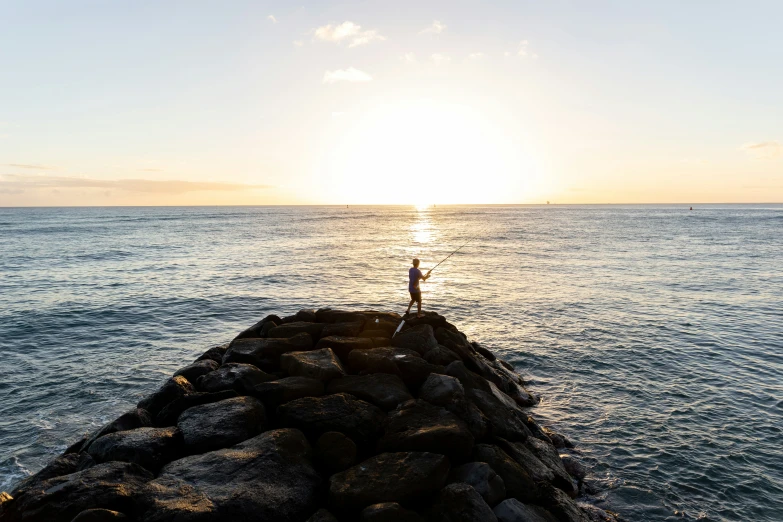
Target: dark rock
(389,512)
(384,321)
(378,337)
(468,379)
(150,448)
(277,392)
(384,390)
(441,355)
(215,353)
(113,485)
(359,420)
(419,338)
(99,515)
(135,418)
(342,346)
(388,477)
(519,484)
(433,319)
(536,430)
(297,327)
(62,465)
(327,315)
(322,515)
(482,478)
(265,353)
(320,364)
(242,378)
(547,454)
(174,388)
(197,369)
(264,331)
(168,416)
(484,352)
(307,316)
(503,416)
(461,503)
(342,329)
(77,446)
(532,465)
(509,383)
(512,510)
(256,329)
(456,342)
(407,364)
(559,440)
(335,452)
(507,365)
(417,425)
(447,392)
(267,477)
(574,468)
(560,504)
(221,424)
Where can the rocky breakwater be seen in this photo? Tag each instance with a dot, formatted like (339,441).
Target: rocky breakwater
(321,416)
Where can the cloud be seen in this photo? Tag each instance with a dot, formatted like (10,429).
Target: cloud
(9,182)
(440,59)
(346,75)
(408,57)
(435,28)
(298,43)
(272,19)
(524,50)
(347,31)
(764,149)
(28,166)
(475,55)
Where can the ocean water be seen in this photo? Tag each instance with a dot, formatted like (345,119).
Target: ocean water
(653,333)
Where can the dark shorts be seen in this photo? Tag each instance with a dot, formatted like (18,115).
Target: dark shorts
(416,296)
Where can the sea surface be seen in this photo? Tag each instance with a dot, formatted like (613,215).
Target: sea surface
(653,333)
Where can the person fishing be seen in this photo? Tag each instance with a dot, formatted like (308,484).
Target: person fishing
(415,276)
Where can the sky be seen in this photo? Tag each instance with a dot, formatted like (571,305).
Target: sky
(449,102)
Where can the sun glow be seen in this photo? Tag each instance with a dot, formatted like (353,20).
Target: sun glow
(424,153)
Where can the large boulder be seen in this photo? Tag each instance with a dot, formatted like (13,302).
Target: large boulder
(215,353)
(482,478)
(100,515)
(504,418)
(243,378)
(359,420)
(322,515)
(405,363)
(441,355)
(342,329)
(447,392)
(547,454)
(335,452)
(519,484)
(112,485)
(419,338)
(277,392)
(168,416)
(470,380)
(265,353)
(267,477)
(389,477)
(327,315)
(389,512)
(434,319)
(62,465)
(559,440)
(297,327)
(384,390)
(221,424)
(172,389)
(150,448)
(572,465)
(135,418)
(342,346)
(417,425)
(256,329)
(320,364)
(512,510)
(461,503)
(195,370)
(557,502)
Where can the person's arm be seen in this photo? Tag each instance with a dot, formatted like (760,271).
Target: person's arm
(425,277)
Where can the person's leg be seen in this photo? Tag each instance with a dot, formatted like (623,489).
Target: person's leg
(418,305)
(409,306)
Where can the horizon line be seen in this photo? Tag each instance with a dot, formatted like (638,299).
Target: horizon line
(401,205)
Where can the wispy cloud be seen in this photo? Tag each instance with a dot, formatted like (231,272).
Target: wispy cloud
(346,75)
(17,182)
(298,43)
(524,50)
(408,58)
(764,149)
(272,19)
(474,56)
(435,28)
(347,31)
(28,166)
(440,59)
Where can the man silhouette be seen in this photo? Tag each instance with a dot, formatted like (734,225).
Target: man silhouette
(415,275)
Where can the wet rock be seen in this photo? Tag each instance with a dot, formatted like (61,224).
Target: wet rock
(389,512)
(150,448)
(456,342)
(342,346)
(469,379)
(135,418)
(487,354)
(407,364)
(265,353)
(342,329)
(322,515)
(504,418)
(267,477)
(359,420)
(320,364)
(447,392)
(417,425)
(99,515)
(297,327)
(113,485)
(62,465)
(197,369)
(518,451)
(384,390)
(547,454)
(441,355)
(280,391)
(221,424)
(512,510)
(168,416)
(215,353)
(559,440)
(519,484)
(482,478)
(536,430)
(174,388)
(419,338)
(574,468)
(557,502)
(335,452)
(240,377)
(389,477)
(256,329)
(461,503)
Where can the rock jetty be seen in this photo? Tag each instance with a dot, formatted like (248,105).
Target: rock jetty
(322,416)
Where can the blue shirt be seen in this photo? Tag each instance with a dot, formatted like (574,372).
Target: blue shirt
(414,274)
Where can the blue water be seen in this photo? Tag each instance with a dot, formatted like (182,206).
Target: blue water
(654,334)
